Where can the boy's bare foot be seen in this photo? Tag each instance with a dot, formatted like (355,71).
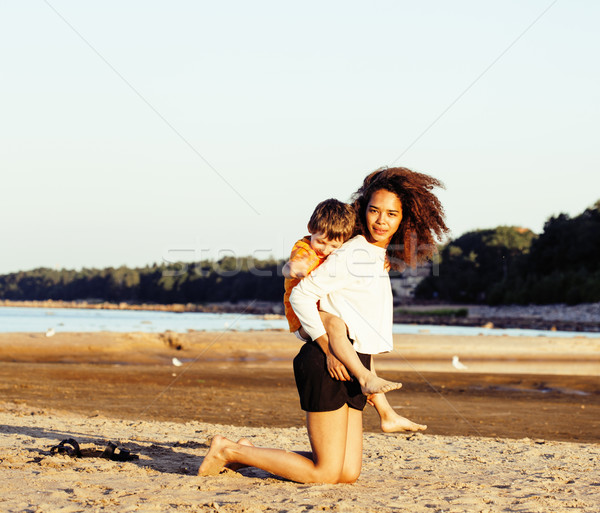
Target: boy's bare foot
(376,385)
(215,460)
(399,424)
(237,466)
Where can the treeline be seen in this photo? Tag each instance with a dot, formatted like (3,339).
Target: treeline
(505,265)
(228,279)
(509,265)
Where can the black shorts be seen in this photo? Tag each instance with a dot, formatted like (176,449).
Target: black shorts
(318,391)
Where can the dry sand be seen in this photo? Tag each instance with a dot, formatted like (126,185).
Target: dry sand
(518,431)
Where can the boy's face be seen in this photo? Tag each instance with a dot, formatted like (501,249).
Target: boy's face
(322,245)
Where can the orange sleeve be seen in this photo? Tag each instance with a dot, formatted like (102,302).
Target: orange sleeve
(302,250)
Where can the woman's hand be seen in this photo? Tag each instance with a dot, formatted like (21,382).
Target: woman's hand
(336,369)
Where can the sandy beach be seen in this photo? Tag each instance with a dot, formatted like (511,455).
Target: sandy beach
(519,430)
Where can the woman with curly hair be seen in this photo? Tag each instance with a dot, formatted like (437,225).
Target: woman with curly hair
(399,220)
(422,214)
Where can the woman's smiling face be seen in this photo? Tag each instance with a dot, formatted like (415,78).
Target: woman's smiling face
(383,216)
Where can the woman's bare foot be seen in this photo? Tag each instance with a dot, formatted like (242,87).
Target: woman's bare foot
(235,465)
(373,384)
(398,424)
(215,460)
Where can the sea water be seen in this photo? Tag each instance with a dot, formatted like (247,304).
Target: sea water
(19,319)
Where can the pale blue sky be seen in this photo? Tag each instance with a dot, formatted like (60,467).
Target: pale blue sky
(133,130)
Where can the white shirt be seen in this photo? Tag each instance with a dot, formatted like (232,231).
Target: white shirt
(354,285)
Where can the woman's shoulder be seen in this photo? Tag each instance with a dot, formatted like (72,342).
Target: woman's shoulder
(359,242)
(358,250)
(356,241)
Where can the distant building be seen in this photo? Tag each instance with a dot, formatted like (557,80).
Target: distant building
(404,285)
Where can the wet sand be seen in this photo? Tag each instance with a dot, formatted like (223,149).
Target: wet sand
(245,379)
(514,432)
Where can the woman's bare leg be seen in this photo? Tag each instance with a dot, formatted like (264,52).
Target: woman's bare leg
(238,466)
(327,432)
(353,457)
(344,351)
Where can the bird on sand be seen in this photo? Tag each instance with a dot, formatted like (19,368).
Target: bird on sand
(457,364)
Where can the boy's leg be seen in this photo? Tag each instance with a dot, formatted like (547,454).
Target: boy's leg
(343,350)
(391,422)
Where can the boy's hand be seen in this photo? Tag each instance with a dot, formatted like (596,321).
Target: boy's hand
(299,268)
(336,369)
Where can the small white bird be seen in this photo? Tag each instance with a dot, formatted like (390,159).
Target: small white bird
(457,364)
(176,362)
(50,333)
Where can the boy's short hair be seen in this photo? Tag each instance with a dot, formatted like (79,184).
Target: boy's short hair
(334,219)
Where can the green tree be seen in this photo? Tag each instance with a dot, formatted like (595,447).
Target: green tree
(473,264)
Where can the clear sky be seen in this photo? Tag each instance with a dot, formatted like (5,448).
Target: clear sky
(138,132)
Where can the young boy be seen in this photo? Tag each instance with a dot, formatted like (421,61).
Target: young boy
(330,225)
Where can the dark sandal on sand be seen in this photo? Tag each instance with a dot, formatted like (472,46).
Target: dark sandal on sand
(70,447)
(123,454)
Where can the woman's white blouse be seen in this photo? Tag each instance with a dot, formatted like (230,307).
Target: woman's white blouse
(354,285)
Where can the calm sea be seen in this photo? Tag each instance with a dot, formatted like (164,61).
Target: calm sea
(16,319)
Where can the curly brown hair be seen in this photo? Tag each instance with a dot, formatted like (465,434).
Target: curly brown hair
(423,217)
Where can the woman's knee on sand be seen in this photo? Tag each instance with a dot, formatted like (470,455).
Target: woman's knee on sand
(334,475)
(350,474)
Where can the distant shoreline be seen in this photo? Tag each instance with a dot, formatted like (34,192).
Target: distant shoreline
(528,323)
(534,317)
(249,307)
